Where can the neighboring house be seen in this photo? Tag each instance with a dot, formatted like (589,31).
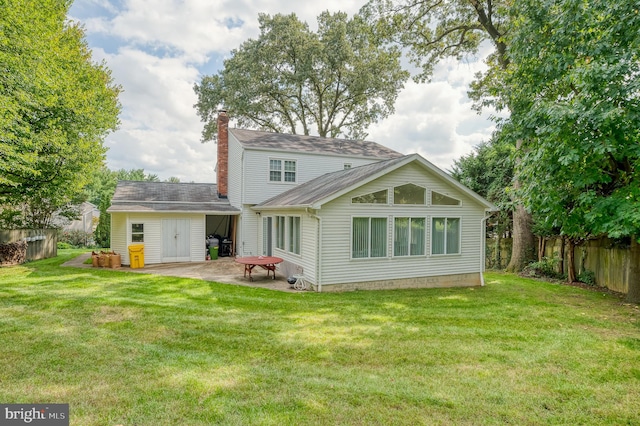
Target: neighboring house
(345,214)
(87,219)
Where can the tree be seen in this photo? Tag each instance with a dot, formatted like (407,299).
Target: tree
(489,171)
(433,30)
(100,190)
(57,107)
(334,82)
(574,88)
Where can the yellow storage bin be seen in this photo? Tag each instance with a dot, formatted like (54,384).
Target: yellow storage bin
(136,256)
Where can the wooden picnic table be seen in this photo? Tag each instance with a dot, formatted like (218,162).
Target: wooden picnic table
(265,262)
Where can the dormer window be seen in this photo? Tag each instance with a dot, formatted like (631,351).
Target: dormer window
(282,170)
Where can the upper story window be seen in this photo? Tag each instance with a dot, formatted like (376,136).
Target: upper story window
(379,197)
(438,199)
(282,170)
(409,194)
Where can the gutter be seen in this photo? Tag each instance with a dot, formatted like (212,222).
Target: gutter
(318,249)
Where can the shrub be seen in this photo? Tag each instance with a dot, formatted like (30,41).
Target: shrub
(76,238)
(13,253)
(545,268)
(64,245)
(587,277)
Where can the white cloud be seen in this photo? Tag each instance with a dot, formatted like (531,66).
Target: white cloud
(158,49)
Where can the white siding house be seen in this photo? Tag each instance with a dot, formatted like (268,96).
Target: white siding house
(262,165)
(344,214)
(421,229)
(171,220)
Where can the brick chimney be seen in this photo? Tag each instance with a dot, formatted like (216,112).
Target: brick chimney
(222,176)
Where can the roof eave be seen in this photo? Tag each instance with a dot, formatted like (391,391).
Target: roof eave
(283,207)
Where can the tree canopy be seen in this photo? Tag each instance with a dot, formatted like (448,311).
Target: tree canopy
(336,81)
(57,106)
(433,30)
(574,87)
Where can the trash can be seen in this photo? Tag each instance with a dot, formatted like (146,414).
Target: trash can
(136,256)
(213,251)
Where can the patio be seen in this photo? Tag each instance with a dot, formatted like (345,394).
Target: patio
(222,270)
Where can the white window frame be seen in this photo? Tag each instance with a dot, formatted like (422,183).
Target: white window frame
(280,226)
(141,233)
(386,203)
(426,195)
(432,233)
(424,241)
(386,238)
(287,231)
(439,206)
(283,170)
(293,237)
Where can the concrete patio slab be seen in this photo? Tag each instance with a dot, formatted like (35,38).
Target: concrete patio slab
(222,270)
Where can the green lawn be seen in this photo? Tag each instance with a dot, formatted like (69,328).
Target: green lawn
(130,349)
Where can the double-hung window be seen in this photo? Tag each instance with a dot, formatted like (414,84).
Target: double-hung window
(282,170)
(445,235)
(369,237)
(409,236)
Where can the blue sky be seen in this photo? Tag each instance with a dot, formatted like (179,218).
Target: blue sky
(158,49)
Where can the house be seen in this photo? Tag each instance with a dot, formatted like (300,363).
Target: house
(171,220)
(86,221)
(345,214)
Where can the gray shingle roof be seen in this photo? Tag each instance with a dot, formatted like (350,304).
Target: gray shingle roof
(312,144)
(331,185)
(328,184)
(136,196)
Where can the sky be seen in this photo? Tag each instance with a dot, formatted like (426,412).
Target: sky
(158,49)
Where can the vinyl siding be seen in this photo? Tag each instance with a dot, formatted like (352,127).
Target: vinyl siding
(307,259)
(337,265)
(247,243)
(121,235)
(257,187)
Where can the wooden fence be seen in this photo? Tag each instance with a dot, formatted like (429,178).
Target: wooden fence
(609,263)
(41,243)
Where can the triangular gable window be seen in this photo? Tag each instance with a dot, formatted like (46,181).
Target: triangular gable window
(379,197)
(409,194)
(438,199)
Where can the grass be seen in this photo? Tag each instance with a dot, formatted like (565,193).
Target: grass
(132,349)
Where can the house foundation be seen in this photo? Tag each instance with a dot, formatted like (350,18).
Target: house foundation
(443,281)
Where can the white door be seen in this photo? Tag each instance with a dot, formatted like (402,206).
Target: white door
(176,240)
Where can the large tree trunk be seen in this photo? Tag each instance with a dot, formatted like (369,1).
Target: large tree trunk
(524,244)
(571,267)
(523,251)
(633,292)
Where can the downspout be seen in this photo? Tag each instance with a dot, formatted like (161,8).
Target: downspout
(483,242)
(319,253)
